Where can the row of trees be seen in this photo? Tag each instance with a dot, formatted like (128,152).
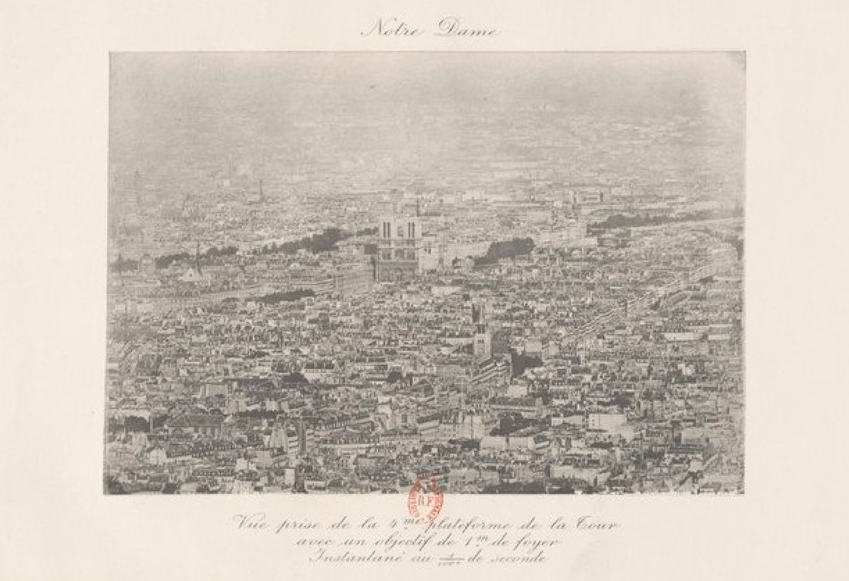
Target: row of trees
(209,254)
(322,242)
(636,220)
(286,296)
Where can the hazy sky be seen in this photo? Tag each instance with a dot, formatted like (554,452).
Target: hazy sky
(173,116)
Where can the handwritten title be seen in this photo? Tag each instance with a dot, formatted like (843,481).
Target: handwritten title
(447,26)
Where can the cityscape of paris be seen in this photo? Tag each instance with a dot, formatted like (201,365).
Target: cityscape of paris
(345,273)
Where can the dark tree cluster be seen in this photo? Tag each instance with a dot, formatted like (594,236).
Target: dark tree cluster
(520,362)
(636,220)
(323,242)
(286,296)
(204,257)
(219,252)
(294,379)
(168,259)
(506,249)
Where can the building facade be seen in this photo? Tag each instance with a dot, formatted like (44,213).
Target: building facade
(398,249)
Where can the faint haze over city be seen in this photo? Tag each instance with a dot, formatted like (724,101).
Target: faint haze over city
(302,122)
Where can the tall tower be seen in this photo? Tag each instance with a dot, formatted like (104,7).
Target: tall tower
(482,346)
(479,315)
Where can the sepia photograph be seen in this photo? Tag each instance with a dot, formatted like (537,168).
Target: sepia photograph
(491,272)
(351,289)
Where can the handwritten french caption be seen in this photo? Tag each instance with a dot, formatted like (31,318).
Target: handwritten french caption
(443,542)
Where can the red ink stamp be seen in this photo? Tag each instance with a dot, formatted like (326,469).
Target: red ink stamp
(425,500)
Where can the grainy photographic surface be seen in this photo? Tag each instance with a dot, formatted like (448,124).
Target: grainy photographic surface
(500,272)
